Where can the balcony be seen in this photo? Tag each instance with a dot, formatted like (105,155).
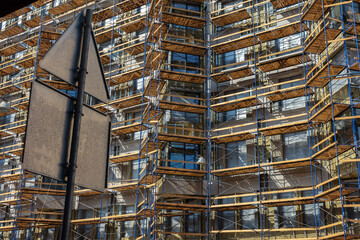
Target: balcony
(182,73)
(133,23)
(127,73)
(313,9)
(243,39)
(316,42)
(281,60)
(234,101)
(128,5)
(105,34)
(182,103)
(10,49)
(13,127)
(232,71)
(35,19)
(234,133)
(181,133)
(183,17)
(229,15)
(106,13)
(278,4)
(280,91)
(127,126)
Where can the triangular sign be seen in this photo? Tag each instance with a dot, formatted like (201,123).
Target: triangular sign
(63,58)
(95,83)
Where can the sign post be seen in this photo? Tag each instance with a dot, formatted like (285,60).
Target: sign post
(56,119)
(65,233)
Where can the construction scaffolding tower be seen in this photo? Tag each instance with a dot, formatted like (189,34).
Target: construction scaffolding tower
(230,119)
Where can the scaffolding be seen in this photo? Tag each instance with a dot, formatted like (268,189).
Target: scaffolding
(230,119)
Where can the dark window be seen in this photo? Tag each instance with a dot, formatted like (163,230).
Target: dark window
(183,152)
(286,214)
(236,154)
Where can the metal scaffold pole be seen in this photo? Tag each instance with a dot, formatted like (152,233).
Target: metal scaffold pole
(208,118)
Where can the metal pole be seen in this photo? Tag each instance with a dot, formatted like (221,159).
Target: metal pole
(208,119)
(65,234)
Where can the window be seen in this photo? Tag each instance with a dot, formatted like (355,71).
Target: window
(86,230)
(187,6)
(173,224)
(312,214)
(135,168)
(185,116)
(183,152)
(296,145)
(228,58)
(186,60)
(249,217)
(235,154)
(232,5)
(353,212)
(193,223)
(128,226)
(238,113)
(226,219)
(236,56)
(293,103)
(286,214)
(288,42)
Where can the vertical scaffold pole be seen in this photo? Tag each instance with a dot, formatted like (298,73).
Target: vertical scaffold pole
(333,123)
(208,118)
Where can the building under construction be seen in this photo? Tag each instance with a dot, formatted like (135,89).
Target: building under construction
(231,119)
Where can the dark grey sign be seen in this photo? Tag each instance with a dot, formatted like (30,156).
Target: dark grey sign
(93,152)
(62,60)
(48,133)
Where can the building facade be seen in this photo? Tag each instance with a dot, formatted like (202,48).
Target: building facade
(231,119)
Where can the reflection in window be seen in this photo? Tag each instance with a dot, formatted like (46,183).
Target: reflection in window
(286,214)
(186,60)
(192,223)
(128,226)
(184,117)
(289,42)
(293,103)
(135,168)
(188,6)
(235,154)
(232,5)
(226,219)
(249,217)
(238,113)
(296,145)
(312,214)
(183,152)
(173,224)
(236,56)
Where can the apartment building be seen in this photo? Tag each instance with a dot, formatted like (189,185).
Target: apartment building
(231,119)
